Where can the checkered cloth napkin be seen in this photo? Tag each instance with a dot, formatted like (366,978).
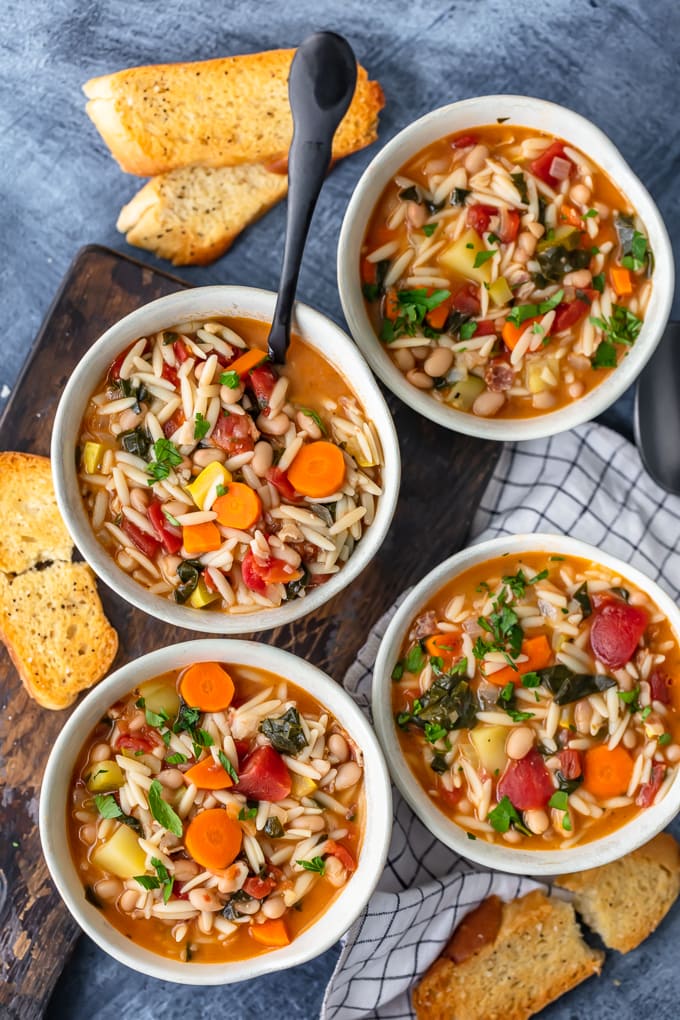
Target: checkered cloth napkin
(588,483)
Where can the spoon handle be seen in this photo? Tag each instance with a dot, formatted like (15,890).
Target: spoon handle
(321,86)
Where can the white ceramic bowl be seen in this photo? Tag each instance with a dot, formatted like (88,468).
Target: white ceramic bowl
(468,114)
(55,792)
(490,855)
(320,333)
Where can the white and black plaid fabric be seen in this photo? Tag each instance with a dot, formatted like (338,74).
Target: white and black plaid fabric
(590,484)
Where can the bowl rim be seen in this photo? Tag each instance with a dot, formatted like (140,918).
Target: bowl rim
(223,301)
(411,140)
(348,903)
(633,834)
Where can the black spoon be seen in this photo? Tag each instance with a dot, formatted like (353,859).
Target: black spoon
(321,85)
(657,412)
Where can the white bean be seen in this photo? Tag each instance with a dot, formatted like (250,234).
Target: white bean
(139,500)
(274,907)
(100,752)
(404,359)
(416,214)
(108,888)
(580,194)
(262,458)
(307,424)
(125,561)
(275,426)
(537,820)
(184,870)
(337,746)
(527,242)
(204,457)
(488,403)
(575,390)
(475,159)
(544,400)
(128,901)
(419,379)
(439,362)
(673,753)
(519,742)
(335,872)
(205,899)
(583,713)
(578,278)
(315,823)
(130,419)
(172,778)
(229,396)
(348,775)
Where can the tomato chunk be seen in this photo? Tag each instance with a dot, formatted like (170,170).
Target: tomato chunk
(169,373)
(264,776)
(616,631)
(259,888)
(138,742)
(568,313)
(169,536)
(509,225)
(146,544)
(485,328)
(233,434)
(660,686)
(280,481)
(478,217)
(526,782)
(570,763)
(648,791)
(464,141)
(181,351)
(173,423)
(466,300)
(540,167)
(262,380)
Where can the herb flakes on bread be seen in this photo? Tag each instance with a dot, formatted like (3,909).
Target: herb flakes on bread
(51,617)
(626,900)
(536,955)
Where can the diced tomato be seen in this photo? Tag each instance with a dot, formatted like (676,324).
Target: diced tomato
(257,575)
(178,893)
(259,888)
(464,142)
(526,782)
(369,271)
(568,313)
(540,167)
(145,543)
(242,746)
(208,581)
(181,351)
(169,373)
(648,791)
(113,374)
(252,573)
(485,328)
(138,742)
(478,217)
(279,480)
(262,380)
(660,686)
(264,776)
(509,225)
(615,631)
(342,853)
(570,763)
(173,423)
(450,796)
(232,433)
(466,300)
(169,536)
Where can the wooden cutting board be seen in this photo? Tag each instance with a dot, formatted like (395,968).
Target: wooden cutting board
(443,477)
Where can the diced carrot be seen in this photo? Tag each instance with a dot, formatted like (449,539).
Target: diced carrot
(571,216)
(201,538)
(443,646)
(607,773)
(207,686)
(512,333)
(270,933)
(246,361)
(621,280)
(318,470)
(539,654)
(391,309)
(209,775)
(213,839)
(368,271)
(280,572)
(436,318)
(240,507)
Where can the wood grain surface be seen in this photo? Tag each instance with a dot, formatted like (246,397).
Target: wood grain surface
(439,494)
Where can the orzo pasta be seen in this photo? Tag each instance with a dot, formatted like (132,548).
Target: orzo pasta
(216,812)
(220,480)
(504,272)
(536,701)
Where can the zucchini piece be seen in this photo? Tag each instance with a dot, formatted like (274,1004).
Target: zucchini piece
(464,392)
(105,777)
(160,696)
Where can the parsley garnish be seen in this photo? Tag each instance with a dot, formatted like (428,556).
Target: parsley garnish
(638,252)
(482,257)
(604,356)
(166,457)
(589,214)
(429,229)
(221,490)
(531,680)
(559,800)
(162,811)
(176,759)
(598,282)
(505,815)
(246,813)
(156,719)
(664,739)
(227,766)
(468,330)
(107,806)
(621,328)
(520,313)
(413,306)
(164,879)
(169,518)
(434,732)
(201,426)
(230,379)
(517,583)
(316,864)
(310,413)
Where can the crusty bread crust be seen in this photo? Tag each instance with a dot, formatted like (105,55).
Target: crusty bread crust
(626,900)
(192,216)
(537,955)
(213,113)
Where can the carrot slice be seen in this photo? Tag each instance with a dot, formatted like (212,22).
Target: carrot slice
(621,280)
(391,309)
(207,686)
(436,318)
(213,839)
(512,333)
(201,538)
(209,775)
(539,655)
(443,646)
(570,215)
(270,933)
(318,470)
(246,361)
(240,507)
(607,773)
(280,572)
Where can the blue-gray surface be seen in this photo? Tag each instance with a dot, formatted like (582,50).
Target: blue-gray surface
(615,61)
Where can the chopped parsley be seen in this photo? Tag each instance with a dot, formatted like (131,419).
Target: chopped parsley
(310,413)
(664,739)
(559,800)
(163,879)
(520,313)
(505,815)
(531,680)
(598,282)
(483,256)
(412,307)
(227,766)
(156,719)
(201,426)
(429,229)
(621,328)
(107,806)
(434,732)
(468,330)
(589,214)
(230,379)
(166,456)
(176,759)
(162,811)
(246,813)
(169,518)
(518,583)
(316,864)
(638,252)
(604,356)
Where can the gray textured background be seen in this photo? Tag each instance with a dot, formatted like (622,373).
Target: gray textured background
(616,62)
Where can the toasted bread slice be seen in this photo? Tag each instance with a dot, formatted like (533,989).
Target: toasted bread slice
(32,529)
(626,900)
(192,216)
(537,955)
(213,113)
(53,625)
